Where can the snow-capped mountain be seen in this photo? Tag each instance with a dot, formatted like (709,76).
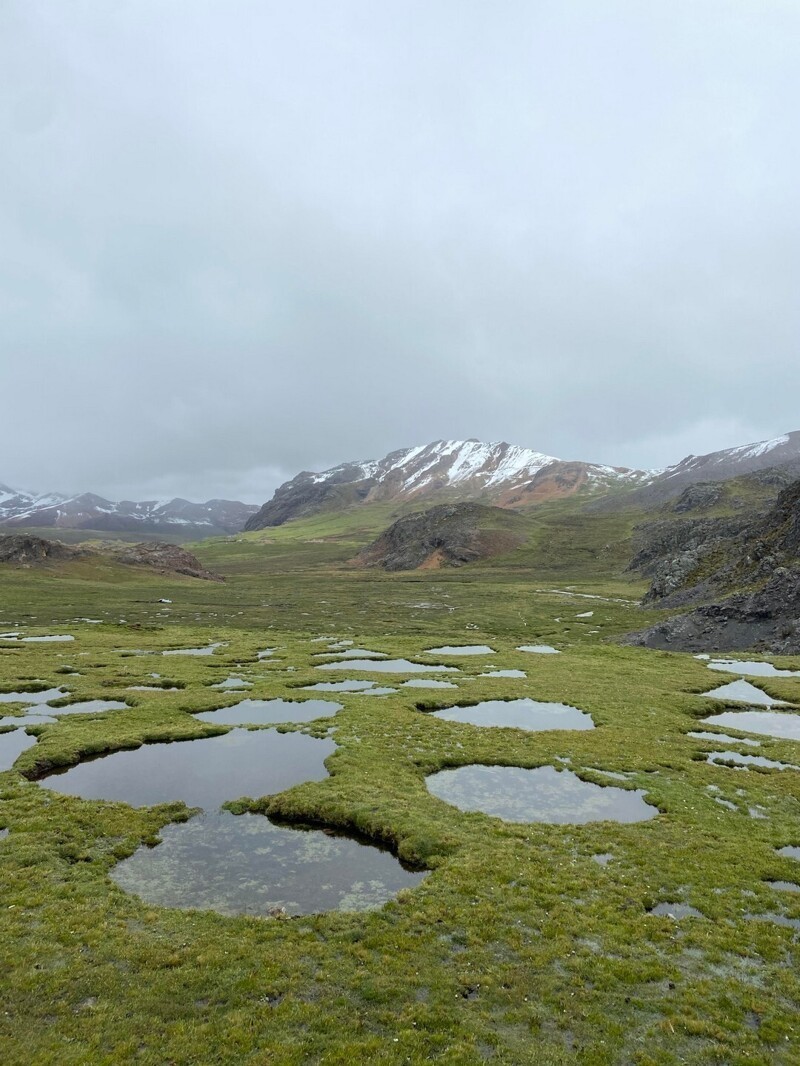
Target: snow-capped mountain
(783,452)
(87,511)
(503,474)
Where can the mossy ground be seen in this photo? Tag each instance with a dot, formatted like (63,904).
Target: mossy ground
(518,948)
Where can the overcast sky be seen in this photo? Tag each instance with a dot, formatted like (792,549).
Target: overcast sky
(241,238)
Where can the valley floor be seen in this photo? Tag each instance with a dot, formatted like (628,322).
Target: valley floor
(526,943)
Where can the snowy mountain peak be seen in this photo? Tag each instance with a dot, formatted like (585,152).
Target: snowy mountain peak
(89,511)
(467,469)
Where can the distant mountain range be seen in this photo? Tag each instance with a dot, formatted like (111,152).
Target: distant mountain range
(504,475)
(90,512)
(507,476)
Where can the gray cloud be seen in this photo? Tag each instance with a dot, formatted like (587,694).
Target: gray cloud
(242,239)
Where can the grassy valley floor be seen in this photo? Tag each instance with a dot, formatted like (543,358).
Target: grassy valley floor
(518,947)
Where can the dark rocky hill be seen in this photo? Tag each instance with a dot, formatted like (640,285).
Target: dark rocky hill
(445,535)
(741,576)
(22,550)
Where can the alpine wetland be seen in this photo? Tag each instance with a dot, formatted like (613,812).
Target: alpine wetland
(454,751)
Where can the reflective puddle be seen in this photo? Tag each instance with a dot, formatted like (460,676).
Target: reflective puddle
(743,692)
(421,682)
(723,738)
(602,858)
(505,673)
(340,686)
(739,760)
(783,886)
(90,707)
(755,669)
(775,919)
(12,745)
(26,719)
(352,653)
(233,683)
(237,864)
(247,865)
(541,795)
(518,714)
(270,712)
(33,697)
(461,649)
(791,851)
(201,773)
(388,666)
(539,649)
(208,650)
(675,911)
(767,723)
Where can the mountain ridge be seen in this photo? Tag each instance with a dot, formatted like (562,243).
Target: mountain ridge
(507,475)
(504,474)
(19,509)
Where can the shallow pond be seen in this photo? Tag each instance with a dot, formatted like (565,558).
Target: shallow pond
(25,720)
(461,649)
(208,650)
(33,697)
(505,673)
(735,757)
(12,745)
(743,692)
(775,919)
(791,851)
(351,653)
(767,723)
(201,773)
(388,666)
(755,669)
(723,738)
(340,686)
(539,649)
(90,707)
(233,683)
(422,682)
(541,795)
(518,714)
(270,712)
(676,911)
(245,864)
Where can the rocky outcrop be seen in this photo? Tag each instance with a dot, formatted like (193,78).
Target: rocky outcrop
(446,535)
(166,558)
(767,620)
(745,573)
(25,551)
(19,549)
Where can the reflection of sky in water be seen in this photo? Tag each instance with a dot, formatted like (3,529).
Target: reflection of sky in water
(541,795)
(767,723)
(518,714)
(388,666)
(755,669)
(742,692)
(12,745)
(461,649)
(246,865)
(269,712)
(201,773)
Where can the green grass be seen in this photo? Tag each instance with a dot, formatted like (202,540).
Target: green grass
(517,948)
